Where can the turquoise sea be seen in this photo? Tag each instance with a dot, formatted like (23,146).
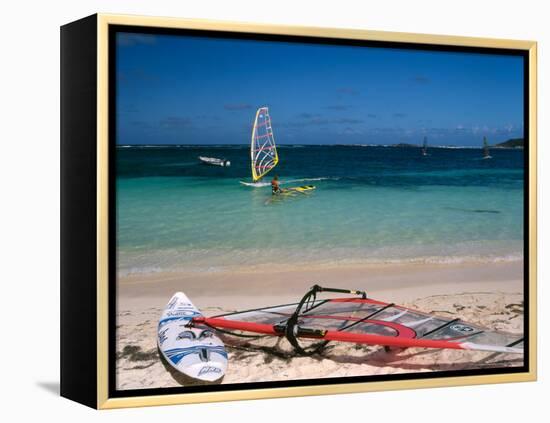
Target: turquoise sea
(372,204)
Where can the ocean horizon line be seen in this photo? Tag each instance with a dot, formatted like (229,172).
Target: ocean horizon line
(399,145)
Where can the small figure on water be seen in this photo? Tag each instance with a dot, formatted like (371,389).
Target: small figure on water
(275,188)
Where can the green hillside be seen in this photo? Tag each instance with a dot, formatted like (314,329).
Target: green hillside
(512,143)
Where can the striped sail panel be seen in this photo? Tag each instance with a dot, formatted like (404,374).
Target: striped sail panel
(263,151)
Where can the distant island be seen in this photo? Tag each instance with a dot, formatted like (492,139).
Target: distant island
(511,143)
(405,145)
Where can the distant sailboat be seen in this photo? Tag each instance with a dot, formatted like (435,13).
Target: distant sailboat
(425,147)
(486,154)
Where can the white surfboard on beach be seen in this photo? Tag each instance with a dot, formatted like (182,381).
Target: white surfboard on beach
(195,350)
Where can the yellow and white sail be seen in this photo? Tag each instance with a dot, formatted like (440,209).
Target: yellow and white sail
(263,151)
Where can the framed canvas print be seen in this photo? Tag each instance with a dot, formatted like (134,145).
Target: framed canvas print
(254,211)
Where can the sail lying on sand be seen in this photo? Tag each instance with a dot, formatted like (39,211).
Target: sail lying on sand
(263,151)
(310,324)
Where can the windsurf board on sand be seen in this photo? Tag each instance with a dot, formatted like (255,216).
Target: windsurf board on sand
(190,348)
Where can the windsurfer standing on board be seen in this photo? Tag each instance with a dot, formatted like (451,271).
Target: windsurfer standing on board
(275,188)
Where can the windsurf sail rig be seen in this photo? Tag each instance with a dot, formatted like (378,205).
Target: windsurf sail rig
(263,151)
(486,154)
(425,147)
(310,324)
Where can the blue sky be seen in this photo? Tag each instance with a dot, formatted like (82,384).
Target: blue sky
(191,90)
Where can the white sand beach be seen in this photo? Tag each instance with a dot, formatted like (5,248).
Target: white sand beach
(488,294)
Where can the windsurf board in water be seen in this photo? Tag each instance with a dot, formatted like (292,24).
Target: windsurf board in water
(191,349)
(290,192)
(293,191)
(256,184)
(303,188)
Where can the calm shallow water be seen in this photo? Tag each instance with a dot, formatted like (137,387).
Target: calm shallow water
(372,204)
